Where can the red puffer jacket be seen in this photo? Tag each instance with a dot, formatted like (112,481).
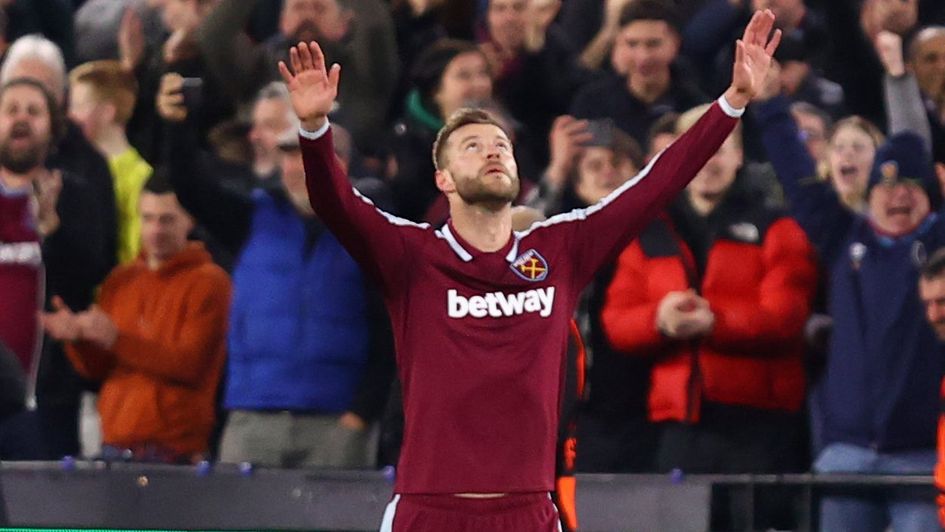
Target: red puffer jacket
(759,279)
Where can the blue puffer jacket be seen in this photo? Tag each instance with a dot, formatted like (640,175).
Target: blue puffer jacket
(299,331)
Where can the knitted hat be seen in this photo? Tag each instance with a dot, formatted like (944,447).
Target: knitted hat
(904,156)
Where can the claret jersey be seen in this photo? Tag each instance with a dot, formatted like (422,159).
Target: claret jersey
(481,337)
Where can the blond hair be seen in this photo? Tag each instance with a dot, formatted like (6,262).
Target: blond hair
(109,83)
(690,117)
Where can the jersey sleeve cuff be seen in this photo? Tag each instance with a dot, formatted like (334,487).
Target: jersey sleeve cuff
(728,109)
(317,134)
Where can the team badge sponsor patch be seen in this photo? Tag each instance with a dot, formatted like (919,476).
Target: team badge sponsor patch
(530,266)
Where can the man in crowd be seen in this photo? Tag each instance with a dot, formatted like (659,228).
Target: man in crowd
(309,353)
(155,341)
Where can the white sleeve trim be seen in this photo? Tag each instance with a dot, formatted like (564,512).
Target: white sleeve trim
(317,134)
(728,109)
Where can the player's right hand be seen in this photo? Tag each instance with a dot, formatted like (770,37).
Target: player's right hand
(312,88)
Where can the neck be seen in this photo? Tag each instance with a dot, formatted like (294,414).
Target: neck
(112,142)
(153,262)
(17,181)
(648,90)
(484,228)
(703,205)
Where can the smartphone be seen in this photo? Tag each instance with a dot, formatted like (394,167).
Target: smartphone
(192,90)
(602,131)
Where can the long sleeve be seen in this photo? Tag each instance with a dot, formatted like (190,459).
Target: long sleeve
(628,316)
(90,361)
(752,321)
(813,203)
(76,255)
(603,229)
(904,107)
(373,237)
(183,356)
(229,53)
(225,212)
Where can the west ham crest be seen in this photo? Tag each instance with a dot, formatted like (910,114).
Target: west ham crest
(530,266)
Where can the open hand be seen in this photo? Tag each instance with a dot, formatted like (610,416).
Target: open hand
(753,53)
(312,88)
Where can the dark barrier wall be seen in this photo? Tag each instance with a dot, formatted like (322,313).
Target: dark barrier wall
(127,496)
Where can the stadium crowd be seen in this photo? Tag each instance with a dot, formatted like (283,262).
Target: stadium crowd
(167,293)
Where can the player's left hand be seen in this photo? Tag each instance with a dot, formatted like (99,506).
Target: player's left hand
(753,53)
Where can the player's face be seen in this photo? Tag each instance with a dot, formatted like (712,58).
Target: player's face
(481,166)
(932,294)
(24,128)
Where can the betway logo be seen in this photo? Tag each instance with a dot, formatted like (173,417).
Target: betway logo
(500,304)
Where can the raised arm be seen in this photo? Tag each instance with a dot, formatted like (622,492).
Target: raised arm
(373,237)
(610,224)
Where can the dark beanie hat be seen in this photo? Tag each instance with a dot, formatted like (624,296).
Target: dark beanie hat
(904,156)
(431,63)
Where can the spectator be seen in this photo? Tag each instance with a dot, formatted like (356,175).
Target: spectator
(156,342)
(926,55)
(813,125)
(178,51)
(589,160)
(535,70)
(357,34)
(40,59)
(850,149)
(71,230)
(709,34)
(272,115)
(447,76)
(800,82)
(51,18)
(101,99)
(645,50)
(101,28)
(878,393)
(310,358)
(717,295)
(932,295)
(852,60)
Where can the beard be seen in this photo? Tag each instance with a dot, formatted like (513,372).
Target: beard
(22,160)
(475,191)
